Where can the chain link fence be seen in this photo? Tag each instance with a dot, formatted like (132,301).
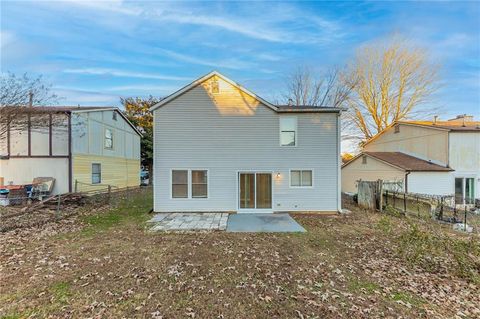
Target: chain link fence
(464,214)
(25,211)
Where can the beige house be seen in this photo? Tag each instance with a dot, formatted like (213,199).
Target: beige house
(82,147)
(452,145)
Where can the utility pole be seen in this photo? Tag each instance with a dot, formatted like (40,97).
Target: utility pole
(30,98)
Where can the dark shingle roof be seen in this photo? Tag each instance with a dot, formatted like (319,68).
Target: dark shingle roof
(306,108)
(408,162)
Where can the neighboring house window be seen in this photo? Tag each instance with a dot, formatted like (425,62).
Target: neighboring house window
(364,159)
(301,178)
(114,116)
(397,128)
(199,184)
(288,131)
(96,173)
(464,190)
(108,138)
(180,184)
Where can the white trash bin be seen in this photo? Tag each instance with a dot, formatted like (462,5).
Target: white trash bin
(4,201)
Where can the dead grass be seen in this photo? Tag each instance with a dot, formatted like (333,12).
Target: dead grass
(109,266)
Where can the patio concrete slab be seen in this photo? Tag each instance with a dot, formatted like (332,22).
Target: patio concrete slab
(189,222)
(255,223)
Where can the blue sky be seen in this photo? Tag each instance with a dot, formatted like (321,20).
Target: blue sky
(95,52)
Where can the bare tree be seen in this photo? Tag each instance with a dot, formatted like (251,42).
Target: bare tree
(393,80)
(328,89)
(18,96)
(24,90)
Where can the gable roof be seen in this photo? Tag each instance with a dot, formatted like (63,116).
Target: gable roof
(450,126)
(404,162)
(447,125)
(202,79)
(275,108)
(77,109)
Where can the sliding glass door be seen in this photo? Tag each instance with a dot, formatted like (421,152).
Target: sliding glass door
(255,190)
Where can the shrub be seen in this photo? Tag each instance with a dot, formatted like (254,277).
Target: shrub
(436,252)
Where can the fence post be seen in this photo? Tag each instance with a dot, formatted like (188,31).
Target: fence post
(76,185)
(386,197)
(394,199)
(57,215)
(440,216)
(418,208)
(465,219)
(405,202)
(380,194)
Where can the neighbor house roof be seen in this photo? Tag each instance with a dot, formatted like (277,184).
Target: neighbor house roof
(447,125)
(276,108)
(403,161)
(454,126)
(77,109)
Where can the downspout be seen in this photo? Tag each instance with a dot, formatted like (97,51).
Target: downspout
(70,175)
(339,165)
(406,181)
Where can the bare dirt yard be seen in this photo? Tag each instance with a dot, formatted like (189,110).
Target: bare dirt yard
(103,263)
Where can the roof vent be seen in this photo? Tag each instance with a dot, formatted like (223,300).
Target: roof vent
(214,88)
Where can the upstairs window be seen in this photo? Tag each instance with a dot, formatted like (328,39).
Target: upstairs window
(397,128)
(108,138)
(288,131)
(364,159)
(114,116)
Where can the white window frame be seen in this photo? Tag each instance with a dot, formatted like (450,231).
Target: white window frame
(100,174)
(280,130)
(300,169)
(464,187)
(189,183)
(255,172)
(105,138)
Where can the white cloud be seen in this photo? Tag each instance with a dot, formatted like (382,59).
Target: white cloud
(247,28)
(117,6)
(230,63)
(6,38)
(148,88)
(120,73)
(280,25)
(83,97)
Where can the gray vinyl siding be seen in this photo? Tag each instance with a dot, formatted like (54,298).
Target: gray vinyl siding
(88,135)
(191,132)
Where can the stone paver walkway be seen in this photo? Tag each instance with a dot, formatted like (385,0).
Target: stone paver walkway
(189,221)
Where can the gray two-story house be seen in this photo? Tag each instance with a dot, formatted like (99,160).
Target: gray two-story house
(220,148)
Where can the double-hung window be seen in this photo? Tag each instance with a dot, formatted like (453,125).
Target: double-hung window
(199,184)
(465,190)
(301,178)
(96,173)
(288,130)
(108,138)
(179,184)
(189,184)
